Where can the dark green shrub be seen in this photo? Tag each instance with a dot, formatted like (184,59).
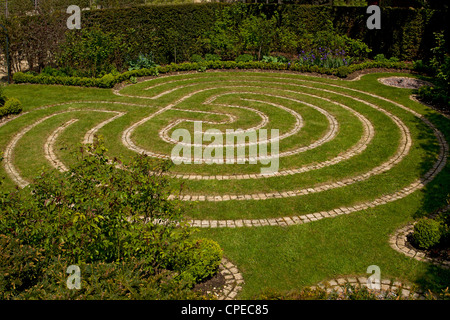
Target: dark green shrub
(117,225)
(439,67)
(97,212)
(93,52)
(143,61)
(196,58)
(130,280)
(342,72)
(380,57)
(194,260)
(107,81)
(244,58)
(2,97)
(11,106)
(20,266)
(427,233)
(212,57)
(422,67)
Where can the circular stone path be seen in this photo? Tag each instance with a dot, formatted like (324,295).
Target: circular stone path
(176,94)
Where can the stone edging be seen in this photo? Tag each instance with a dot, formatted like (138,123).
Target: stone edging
(233,281)
(387,286)
(399,242)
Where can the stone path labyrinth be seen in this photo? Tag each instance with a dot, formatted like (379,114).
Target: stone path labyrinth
(342,149)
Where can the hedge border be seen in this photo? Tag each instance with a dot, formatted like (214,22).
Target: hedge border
(109,80)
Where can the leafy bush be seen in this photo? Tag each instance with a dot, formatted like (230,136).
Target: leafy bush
(143,61)
(20,266)
(331,68)
(97,212)
(93,52)
(244,58)
(439,67)
(275,59)
(194,260)
(331,42)
(11,106)
(427,233)
(197,58)
(118,224)
(342,72)
(257,33)
(111,281)
(2,96)
(212,57)
(107,81)
(380,57)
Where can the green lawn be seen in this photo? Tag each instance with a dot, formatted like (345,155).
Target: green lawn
(281,258)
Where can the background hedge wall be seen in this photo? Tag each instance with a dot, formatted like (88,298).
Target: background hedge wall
(405,33)
(171,32)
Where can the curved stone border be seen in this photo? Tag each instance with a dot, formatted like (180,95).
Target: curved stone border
(413,97)
(233,281)
(419,183)
(399,242)
(49,144)
(387,287)
(48,152)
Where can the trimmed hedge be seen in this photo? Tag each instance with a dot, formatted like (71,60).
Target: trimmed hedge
(427,233)
(176,32)
(195,260)
(11,106)
(109,80)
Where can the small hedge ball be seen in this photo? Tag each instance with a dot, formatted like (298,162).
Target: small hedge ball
(427,233)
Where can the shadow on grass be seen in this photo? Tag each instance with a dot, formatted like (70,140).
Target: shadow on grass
(436,192)
(434,278)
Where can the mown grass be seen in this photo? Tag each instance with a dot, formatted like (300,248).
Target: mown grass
(281,258)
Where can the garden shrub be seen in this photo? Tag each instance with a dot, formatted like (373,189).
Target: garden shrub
(212,57)
(107,220)
(2,97)
(128,280)
(427,233)
(93,52)
(11,106)
(20,266)
(196,58)
(195,260)
(439,67)
(244,58)
(107,81)
(342,72)
(143,61)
